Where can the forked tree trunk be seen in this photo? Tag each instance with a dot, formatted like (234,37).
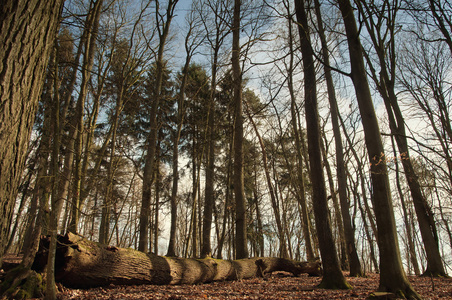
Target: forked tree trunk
(81,263)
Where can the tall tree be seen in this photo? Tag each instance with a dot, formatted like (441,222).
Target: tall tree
(24,52)
(215,39)
(355,265)
(392,276)
(241,247)
(191,43)
(249,95)
(300,185)
(163,26)
(381,24)
(74,145)
(332,273)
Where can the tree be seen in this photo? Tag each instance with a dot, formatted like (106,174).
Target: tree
(75,136)
(382,31)
(163,25)
(441,13)
(355,265)
(192,42)
(240,203)
(24,53)
(393,277)
(300,185)
(220,21)
(332,277)
(249,95)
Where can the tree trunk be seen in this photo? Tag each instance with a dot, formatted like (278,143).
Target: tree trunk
(240,205)
(409,236)
(209,198)
(337,215)
(279,224)
(333,277)
(92,24)
(386,86)
(175,163)
(393,277)
(148,172)
(300,187)
(56,203)
(24,52)
(226,205)
(349,234)
(81,263)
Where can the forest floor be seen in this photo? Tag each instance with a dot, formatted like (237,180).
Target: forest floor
(278,286)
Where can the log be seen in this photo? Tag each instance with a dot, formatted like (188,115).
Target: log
(81,263)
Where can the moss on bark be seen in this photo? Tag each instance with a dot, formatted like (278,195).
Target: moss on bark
(22,283)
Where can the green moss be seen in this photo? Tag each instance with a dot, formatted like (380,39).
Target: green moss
(33,285)
(337,285)
(21,283)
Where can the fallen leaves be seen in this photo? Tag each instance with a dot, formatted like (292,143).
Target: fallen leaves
(278,286)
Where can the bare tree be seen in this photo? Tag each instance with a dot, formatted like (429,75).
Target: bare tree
(300,185)
(215,14)
(381,21)
(332,276)
(163,26)
(241,247)
(355,265)
(192,41)
(393,277)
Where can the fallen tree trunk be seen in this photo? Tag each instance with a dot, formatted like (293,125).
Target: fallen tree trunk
(81,263)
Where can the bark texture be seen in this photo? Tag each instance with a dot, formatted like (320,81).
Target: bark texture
(27,32)
(81,263)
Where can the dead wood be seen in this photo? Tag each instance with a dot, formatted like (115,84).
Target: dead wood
(81,263)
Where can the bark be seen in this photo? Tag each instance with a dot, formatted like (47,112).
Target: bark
(333,277)
(386,86)
(24,52)
(260,232)
(104,229)
(349,233)
(175,164)
(209,199)
(300,187)
(218,9)
(92,24)
(81,263)
(393,277)
(56,203)
(75,146)
(226,204)
(240,207)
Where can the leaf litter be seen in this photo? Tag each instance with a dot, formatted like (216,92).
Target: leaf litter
(279,285)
